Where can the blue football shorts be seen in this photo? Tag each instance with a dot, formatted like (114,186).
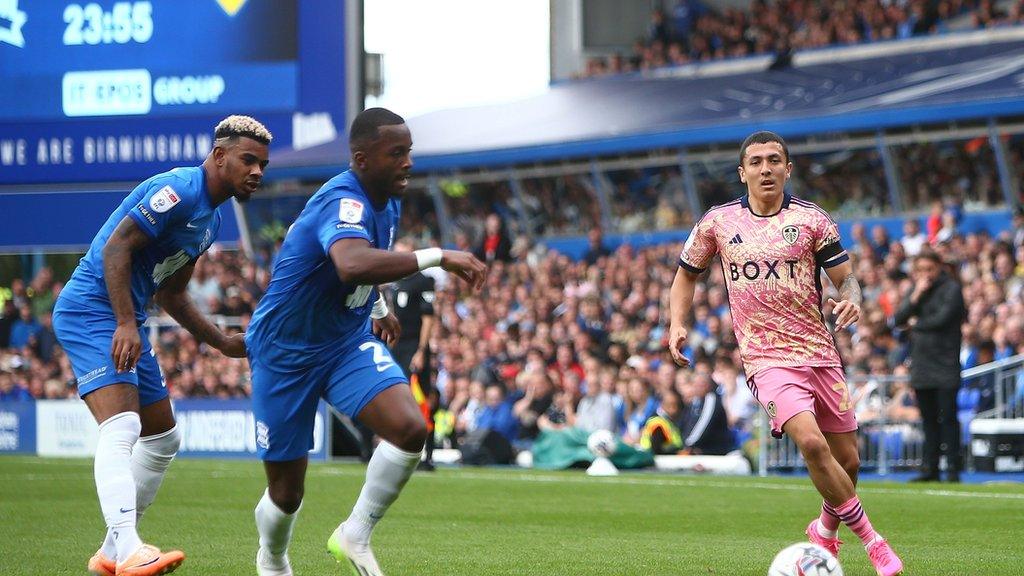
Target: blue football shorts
(284,400)
(86,335)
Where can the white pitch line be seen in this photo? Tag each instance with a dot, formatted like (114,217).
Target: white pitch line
(636,481)
(227,471)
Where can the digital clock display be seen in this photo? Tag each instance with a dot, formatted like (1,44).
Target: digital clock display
(159,58)
(103,73)
(125,22)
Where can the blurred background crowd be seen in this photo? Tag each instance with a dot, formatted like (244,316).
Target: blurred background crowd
(686,31)
(553,342)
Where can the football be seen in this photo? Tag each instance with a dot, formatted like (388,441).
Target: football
(805,559)
(602,443)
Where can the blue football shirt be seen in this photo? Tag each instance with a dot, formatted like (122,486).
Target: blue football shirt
(307,309)
(174,210)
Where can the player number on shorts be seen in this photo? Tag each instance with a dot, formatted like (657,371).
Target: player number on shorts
(844,402)
(380,357)
(358,298)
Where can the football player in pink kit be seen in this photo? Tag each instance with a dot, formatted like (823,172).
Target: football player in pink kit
(773,248)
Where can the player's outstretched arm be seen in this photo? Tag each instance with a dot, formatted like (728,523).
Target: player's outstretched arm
(126,346)
(680,301)
(173,297)
(847,309)
(359,263)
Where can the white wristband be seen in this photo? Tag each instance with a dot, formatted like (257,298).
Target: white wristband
(380,308)
(428,258)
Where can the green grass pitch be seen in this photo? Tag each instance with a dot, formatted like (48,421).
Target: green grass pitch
(500,522)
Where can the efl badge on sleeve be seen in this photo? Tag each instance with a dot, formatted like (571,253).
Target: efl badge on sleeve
(790,234)
(164,200)
(350,211)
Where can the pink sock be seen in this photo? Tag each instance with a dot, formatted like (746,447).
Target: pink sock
(829,520)
(853,515)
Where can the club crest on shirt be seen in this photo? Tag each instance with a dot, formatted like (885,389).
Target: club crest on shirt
(790,234)
(164,200)
(772,411)
(350,211)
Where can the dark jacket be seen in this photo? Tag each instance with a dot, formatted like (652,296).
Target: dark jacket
(935,338)
(705,426)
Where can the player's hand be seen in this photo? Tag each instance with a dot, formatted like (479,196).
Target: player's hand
(676,342)
(416,364)
(126,347)
(465,266)
(387,329)
(845,312)
(234,346)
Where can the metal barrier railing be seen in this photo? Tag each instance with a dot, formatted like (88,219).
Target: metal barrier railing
(891,441)
(999,388)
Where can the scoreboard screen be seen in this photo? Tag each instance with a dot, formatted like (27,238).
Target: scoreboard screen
(117,90)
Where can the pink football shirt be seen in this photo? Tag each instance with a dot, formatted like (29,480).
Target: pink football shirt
(772,268)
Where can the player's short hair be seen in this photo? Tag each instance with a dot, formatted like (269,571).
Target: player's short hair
(366,126)
(236,126)
(763,137)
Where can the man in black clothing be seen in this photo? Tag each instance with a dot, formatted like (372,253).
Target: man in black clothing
(413,297)
(934,310)
(705,426)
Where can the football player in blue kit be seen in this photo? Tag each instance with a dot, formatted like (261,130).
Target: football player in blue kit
(147,248)
(321,331)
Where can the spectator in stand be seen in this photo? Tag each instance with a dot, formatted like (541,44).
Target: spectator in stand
(595,248)
(42,291)
(539,394)
(497,414)
(881,242)
(657,29)
(684,14)
(11,389)
(661,432)
(496,244)
(44,341)
(705,426)
(913,239)
(597,409)
(1018,226)
(641,404)
(24,328)
(8,315)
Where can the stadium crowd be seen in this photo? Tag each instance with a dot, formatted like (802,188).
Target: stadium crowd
(686,31)
(850,184)
(552,342)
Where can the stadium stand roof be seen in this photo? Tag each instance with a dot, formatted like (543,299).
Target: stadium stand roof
(961,76)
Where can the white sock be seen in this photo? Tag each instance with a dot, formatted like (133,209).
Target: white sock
(389,469)
(114,483)
(150,459)
(825,532)
(274,525)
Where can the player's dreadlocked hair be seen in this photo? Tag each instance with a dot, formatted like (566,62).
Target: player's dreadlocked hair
(365,128)
(763,137)
(236,126)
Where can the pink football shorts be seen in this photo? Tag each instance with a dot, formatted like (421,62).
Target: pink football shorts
(821,390)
